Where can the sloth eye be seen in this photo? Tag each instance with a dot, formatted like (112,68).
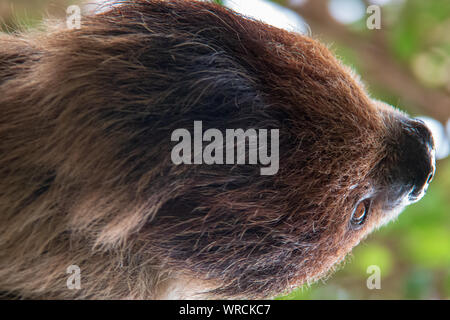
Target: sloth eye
(360,214)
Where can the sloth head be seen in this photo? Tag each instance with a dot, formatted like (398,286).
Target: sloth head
(113,92)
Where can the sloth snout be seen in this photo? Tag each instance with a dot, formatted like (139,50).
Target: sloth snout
(411,164)
(416,159)
(422,162)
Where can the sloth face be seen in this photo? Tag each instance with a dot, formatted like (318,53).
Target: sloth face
(109,97)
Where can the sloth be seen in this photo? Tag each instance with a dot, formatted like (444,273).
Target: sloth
(87,179)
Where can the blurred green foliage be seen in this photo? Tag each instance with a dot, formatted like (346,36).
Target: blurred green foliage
(416,24)
(420,37)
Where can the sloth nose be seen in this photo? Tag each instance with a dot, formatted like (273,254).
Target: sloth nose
(417,157)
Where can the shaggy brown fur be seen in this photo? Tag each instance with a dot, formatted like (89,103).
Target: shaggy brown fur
(86,176)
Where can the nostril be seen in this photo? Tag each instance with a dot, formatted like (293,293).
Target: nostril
(430,177)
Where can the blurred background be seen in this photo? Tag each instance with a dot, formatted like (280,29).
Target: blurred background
(405,62)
